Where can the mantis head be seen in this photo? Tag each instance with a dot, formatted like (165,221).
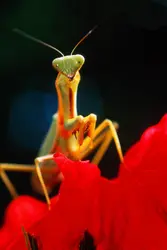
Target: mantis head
(68,65)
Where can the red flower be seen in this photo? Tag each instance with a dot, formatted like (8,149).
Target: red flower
(128,213)
(133,208)
(146,163)
(25,211)
(64,225)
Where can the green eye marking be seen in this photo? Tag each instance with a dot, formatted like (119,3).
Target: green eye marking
(67,65)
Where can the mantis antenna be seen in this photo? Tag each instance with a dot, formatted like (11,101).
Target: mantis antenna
(36,40)
(83,38)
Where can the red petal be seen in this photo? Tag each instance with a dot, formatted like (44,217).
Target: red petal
(23,211)
(63,226)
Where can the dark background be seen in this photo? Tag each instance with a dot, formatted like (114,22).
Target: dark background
(124,76)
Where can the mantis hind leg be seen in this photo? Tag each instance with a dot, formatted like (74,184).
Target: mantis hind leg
(103,136)
(16,168)
(39,166)
(8,183)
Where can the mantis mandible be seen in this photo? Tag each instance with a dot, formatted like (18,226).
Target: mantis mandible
(71,134)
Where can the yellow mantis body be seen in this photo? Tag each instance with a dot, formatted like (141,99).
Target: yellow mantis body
(71,134)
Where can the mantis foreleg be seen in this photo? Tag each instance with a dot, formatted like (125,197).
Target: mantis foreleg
(103,135)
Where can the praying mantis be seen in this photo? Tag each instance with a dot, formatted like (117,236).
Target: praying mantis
(71,134)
